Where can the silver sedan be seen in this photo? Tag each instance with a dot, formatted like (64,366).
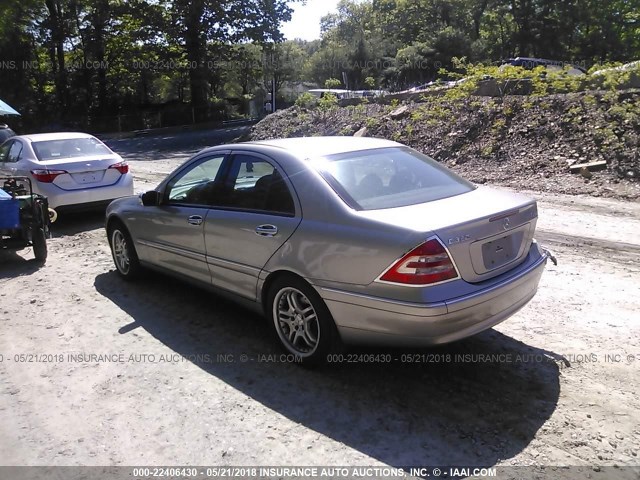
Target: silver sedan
(337,239)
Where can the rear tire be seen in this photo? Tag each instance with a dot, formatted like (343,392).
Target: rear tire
(302,322)
(123,252)
(39,241)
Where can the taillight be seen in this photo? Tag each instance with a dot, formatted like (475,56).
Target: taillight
(426,264)
(46,176)
(122,167)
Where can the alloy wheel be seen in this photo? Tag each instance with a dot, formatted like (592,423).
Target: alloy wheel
(296,321)
(120,251)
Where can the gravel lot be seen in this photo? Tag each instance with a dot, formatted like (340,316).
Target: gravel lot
(186,378)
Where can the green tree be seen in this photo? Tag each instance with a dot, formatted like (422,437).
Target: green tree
(332,83)
(198,22)
(244,68)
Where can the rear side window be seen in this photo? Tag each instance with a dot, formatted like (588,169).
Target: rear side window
(389,177)
(254,184)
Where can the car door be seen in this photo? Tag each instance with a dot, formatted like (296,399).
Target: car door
(256,214)
(171,235)
(9,155)
(4,151)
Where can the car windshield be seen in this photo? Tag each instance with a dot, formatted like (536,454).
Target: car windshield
(389,177)
(69,148)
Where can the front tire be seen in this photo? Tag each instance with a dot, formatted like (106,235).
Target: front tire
(301,320)
(123,252)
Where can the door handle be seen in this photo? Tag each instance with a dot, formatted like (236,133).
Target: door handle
(266,230)
(195,220)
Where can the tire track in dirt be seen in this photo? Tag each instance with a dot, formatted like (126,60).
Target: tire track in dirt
(606,250)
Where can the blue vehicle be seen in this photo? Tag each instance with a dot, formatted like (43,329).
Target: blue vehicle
(5,132)
(24,217)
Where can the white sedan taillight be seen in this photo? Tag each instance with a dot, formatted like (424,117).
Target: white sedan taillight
(426,264)
(122,167)
(46,176)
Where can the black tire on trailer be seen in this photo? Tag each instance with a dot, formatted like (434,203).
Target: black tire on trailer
(39,240)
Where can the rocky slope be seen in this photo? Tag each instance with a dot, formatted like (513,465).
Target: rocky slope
(523,142)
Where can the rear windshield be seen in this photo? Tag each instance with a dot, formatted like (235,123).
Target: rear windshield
(389,177)
(69,148)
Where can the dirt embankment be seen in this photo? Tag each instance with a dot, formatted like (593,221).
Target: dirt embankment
(523,142)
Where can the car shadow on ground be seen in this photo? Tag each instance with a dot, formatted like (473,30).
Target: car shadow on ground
(440,411)
(69,224)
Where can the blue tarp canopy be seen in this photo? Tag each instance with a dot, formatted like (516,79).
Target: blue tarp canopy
(6,109)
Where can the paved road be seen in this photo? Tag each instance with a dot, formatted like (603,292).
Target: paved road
(166,152)
(146,146)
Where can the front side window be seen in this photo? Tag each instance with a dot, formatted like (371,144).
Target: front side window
(197,184)
(4,151)
(255,184)
(389,177)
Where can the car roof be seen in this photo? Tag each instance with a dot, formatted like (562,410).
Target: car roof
(306,147)
(43,137)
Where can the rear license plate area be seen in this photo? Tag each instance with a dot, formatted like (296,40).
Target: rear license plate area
(88,177)
(500,251)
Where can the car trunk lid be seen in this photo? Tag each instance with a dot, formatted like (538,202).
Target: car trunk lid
(486,231)
(88,172)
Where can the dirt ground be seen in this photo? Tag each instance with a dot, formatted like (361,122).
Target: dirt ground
(95,371)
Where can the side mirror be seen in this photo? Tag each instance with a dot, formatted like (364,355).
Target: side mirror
(150,198)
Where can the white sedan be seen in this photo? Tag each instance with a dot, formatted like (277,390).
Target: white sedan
(73,170)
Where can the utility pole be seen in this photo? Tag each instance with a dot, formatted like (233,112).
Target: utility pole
(273,81)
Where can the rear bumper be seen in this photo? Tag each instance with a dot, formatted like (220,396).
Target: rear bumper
(79,199)
(371,320)
(84,207)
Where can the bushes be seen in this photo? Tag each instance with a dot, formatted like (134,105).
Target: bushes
(306,100)
(327,102)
